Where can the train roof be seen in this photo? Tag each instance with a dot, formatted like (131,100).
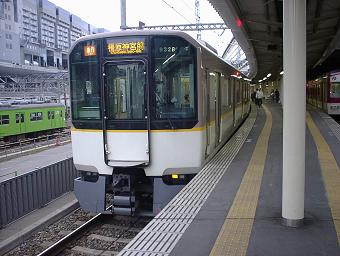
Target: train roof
(199,44)
(30,106)
(135,33)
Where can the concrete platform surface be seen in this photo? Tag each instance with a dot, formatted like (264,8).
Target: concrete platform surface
(27,163)
(235,208)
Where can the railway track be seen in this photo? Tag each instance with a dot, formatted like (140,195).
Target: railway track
(81,234)
(337,119)
(101,235)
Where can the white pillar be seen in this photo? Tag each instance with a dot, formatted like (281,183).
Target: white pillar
(294,111)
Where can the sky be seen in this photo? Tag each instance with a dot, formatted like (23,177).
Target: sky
(106,14)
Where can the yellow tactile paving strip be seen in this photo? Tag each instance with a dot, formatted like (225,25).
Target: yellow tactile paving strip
(330,172)
(234,236)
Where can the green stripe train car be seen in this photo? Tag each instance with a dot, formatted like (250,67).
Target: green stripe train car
(17,121)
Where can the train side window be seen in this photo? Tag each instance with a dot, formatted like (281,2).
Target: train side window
(4,119)
(22,117)
(36,116)
(213,93)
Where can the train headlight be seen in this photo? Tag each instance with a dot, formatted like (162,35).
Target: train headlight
(177,179)
(174,176)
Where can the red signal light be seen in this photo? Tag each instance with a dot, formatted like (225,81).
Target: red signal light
(239,23)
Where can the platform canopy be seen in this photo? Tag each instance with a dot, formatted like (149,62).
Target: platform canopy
(257,26)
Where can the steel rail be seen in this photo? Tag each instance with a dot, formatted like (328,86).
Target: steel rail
(59,246)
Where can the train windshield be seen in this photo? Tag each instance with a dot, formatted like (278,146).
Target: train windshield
(174,78)
(85,85)
(125,89)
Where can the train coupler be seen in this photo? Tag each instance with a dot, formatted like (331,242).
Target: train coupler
(123,201)
(123,204)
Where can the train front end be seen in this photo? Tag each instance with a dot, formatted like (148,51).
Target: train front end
(136,138)
(333,101)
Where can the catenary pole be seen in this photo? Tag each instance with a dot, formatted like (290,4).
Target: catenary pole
(123,14)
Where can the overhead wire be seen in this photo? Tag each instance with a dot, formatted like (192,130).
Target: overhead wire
(187,5)
(173,8)
(238,48)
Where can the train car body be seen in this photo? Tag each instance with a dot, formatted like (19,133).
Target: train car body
(149,108)
(324,93)
(22,120)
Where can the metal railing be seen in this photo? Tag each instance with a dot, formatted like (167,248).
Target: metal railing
(25,193)
(28,145)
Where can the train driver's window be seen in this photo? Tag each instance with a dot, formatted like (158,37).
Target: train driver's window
(174,78)
(84,82)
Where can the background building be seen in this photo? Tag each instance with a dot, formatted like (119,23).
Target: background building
(35,35)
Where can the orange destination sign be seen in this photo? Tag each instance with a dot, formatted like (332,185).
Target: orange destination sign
(125,48)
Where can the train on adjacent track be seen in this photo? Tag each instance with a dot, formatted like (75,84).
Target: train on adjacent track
(324,93)
(149,109)
(30,120)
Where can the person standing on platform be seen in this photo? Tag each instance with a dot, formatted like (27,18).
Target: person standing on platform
(277,96)
(253,96)
(255,92)
(272,96)
(259,96)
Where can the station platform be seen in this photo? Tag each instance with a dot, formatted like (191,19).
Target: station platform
(23,228)
(233,206)
(18,231)
(27,163)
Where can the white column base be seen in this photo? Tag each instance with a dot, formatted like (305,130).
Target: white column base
(292,223)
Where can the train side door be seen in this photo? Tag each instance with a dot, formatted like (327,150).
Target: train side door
(218,109)
(213,125)
(20,121)
(126,119)
(207,109)
(233,88)
(52,115)
(243,95)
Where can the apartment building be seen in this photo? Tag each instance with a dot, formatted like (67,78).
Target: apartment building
(38,33)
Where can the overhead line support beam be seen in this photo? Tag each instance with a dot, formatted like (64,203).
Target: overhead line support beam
(185,27)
